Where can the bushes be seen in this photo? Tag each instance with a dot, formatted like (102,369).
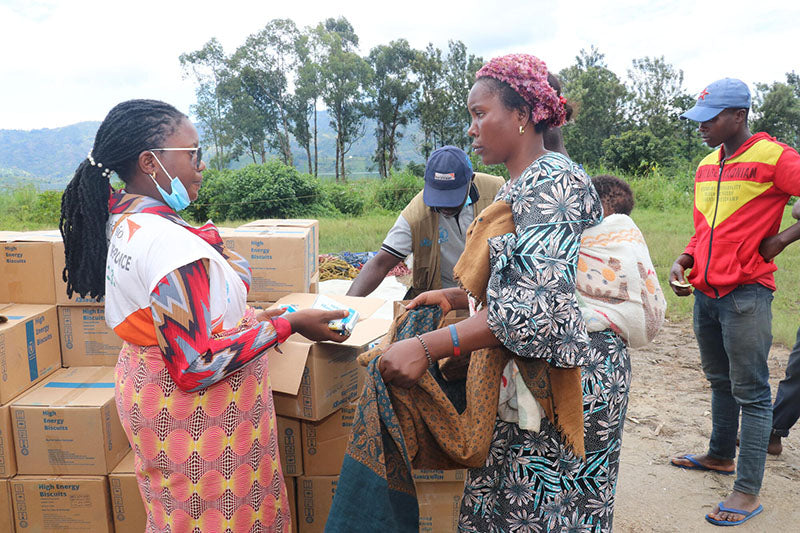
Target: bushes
(394,192)
(347,199)
(24,207)
(636,152)
(272,190)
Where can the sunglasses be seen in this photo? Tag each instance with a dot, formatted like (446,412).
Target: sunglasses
(197,157)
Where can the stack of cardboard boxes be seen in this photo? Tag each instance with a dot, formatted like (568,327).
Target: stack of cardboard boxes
(60,435)
(324,442)
(65,462)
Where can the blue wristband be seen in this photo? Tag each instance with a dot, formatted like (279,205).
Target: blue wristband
(454,337)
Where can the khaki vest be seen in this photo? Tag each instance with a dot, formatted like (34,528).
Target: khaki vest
(424,223)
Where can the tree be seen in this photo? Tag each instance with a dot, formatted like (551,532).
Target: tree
(264,64)
(459,76)
(601,100)
(390,98)
(657,87)
(776,110)
(209,67)
(344,74)
(307,92)
(431,105)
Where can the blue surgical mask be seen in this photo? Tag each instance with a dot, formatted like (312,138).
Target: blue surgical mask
(178,199)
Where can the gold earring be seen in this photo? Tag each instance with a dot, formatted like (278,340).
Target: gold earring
(153,175)
(521,130)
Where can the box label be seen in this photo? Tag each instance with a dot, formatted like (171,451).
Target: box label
(69,385)
(33,370)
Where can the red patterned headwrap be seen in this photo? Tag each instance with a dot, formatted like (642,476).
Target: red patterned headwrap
(527,75)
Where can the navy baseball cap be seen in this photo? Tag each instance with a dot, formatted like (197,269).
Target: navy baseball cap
(727,93)
(448,175)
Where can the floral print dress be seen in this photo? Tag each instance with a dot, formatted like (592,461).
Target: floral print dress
(533,482)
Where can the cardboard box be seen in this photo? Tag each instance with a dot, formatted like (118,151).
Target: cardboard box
(312,380)
(61,504)
(445,476)
(314,287)
(6,510)
(281,259)
(8,460)
(86,340)
(289,446)
(311,224)
(439,506)
(126,500)
(29,347)
(314,500)
(27,265)
(53,420)
(325,442)
(291,490)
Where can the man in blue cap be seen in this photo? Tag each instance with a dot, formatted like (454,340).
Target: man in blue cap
(741,190)
(433,226)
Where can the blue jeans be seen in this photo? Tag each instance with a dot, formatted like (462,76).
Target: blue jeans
(786,410)
(734,334)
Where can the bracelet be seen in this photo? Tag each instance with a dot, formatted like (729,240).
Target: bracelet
(427,352)
(454,337)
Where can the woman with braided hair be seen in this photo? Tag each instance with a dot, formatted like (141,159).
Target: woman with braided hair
(192,385)
(554,456)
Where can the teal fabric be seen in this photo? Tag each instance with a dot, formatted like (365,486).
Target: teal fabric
(375,492)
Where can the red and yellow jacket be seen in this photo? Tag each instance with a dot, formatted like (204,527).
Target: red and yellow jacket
(738,202)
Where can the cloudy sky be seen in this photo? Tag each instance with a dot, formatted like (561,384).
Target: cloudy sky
(65,61)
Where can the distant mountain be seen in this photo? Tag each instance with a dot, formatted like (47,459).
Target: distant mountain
(47,158)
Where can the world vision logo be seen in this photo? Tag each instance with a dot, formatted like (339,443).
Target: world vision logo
(444,177)
(702,95)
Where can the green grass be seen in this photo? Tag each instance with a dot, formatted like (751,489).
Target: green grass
(362,234)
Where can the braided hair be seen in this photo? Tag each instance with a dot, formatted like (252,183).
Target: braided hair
(129,129)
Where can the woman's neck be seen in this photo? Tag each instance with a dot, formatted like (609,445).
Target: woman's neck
(517,164)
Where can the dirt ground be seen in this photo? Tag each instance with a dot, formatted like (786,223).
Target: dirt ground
(670,414)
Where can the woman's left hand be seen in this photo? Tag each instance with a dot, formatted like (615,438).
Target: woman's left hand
(404,363)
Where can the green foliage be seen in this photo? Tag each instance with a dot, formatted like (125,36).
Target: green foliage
(395,192)
(601,98)
(663,189)
(418,169)
(272,190)
(347,198)
(25,208)
(634,151)
(390,96)
(777,111)
(494,170)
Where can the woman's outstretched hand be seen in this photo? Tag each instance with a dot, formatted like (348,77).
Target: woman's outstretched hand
(313,324)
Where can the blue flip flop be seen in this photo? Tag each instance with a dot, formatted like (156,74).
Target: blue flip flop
(747,516)
(697,466)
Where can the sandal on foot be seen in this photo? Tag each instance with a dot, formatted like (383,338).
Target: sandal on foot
(696,465)
(747,516)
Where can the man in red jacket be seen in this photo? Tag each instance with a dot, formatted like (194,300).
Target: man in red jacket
(741,190)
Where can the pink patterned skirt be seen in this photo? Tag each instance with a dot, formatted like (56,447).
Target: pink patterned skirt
(205,461)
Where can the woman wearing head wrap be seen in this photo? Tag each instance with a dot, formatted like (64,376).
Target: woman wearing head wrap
(533,480)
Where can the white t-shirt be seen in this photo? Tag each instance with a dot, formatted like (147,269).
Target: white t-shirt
(452,236)
(144,248)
